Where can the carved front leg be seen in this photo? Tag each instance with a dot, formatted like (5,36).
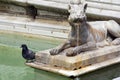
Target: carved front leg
(60,48)
(82,48)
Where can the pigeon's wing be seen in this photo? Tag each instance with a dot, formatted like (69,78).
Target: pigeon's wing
(30,51)
(31,54)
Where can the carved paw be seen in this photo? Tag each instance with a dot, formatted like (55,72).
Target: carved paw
(116,42)
(54,51)
(70,53)
(74,52)
(77,50)
(102,44)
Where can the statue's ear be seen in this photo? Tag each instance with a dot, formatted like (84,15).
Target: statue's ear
(69,7)
(85,7)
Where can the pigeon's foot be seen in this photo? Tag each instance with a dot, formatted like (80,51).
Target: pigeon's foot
(30,61)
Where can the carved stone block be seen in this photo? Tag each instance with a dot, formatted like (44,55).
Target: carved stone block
(83,59)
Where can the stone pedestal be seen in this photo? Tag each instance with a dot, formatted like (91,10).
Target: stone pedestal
(81,60)
(77,65)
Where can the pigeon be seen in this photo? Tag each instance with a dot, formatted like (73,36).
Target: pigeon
(27,54)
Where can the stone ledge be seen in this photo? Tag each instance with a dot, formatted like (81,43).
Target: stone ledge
(77,62)
(101,12)
(75,73)
(35,27)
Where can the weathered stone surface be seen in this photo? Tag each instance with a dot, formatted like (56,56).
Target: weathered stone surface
(82,60)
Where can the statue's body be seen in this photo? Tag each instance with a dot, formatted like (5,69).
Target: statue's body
(84,36)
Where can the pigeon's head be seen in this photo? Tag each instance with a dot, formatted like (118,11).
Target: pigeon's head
(24,46)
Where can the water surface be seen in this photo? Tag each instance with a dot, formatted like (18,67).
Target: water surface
(12,65)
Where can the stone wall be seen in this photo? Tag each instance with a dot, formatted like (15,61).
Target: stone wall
(97,9)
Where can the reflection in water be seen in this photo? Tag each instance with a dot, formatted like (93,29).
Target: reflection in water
(15,73)
(12,65)
(45,75)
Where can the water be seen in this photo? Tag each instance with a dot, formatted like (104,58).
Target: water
(12,65)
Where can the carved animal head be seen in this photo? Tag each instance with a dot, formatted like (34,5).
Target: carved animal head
(77,11)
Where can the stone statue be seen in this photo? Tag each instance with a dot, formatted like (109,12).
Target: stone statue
(84,36)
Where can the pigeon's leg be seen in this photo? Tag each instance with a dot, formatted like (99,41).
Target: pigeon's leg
(30,61)
(27,61)
(33,60)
